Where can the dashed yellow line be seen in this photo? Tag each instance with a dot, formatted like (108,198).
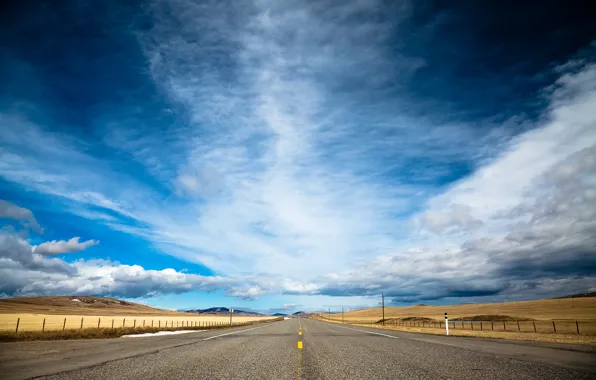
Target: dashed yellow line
(299,373)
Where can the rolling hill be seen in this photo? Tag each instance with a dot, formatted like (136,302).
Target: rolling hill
(80,305)
(581,308)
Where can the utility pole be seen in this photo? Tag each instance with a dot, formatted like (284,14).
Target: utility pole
(383,307)
(329,312)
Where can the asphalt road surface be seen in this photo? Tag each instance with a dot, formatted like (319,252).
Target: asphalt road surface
(270,351)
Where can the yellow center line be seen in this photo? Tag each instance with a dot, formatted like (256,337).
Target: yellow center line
(299,372)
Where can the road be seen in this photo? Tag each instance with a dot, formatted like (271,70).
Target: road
(270,351)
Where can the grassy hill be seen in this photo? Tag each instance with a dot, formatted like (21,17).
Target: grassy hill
(580,308)
(79,305)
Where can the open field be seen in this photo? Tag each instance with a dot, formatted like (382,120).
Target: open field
(107,332)
(551,309)
(35,322)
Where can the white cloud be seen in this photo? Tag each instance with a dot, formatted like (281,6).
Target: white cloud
(62,246)
(282,173)
(25,216)
(524,225)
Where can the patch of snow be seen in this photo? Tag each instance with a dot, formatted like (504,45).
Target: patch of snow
(160,333)
(75,300)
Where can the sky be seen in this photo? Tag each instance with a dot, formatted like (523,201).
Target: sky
(294,155)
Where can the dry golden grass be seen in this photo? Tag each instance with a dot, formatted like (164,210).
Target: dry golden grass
(34,322)
(102,333)
(568,308)
(70,312)
(553,338)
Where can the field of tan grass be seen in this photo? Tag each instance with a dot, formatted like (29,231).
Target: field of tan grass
(35,322)
(70,312)
(550,309)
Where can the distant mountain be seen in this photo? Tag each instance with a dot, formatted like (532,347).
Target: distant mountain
(279,315)
(301,314)
(221,311)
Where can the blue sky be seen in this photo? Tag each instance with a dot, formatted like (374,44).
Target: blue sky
(280,156)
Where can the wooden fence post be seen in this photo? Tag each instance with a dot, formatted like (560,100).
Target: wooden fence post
(43,326)
(534,324)
(492,325)
(504,328)
(152,323)
(112,323)
(134,324)
(82,322)
(472,325)
(17,329)
(98,322)
(64,325)
(554,327)
(480,325)
(518,329)
(124,322)
(577,326)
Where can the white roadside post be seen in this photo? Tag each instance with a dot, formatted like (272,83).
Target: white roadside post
(231,312)
(446,324)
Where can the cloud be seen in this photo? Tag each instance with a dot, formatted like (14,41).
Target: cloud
(533,230)
(30,270)
(293,165)
(457,216)
(62,246)
(25,272)
(25,216)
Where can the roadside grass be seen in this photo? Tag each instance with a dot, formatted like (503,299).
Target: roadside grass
(507,335)
(37,322)
(105,333)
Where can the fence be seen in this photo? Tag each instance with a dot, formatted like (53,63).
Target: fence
(56,323)
(520,326)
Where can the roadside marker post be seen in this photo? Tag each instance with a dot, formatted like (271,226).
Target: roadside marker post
(231,312)
(446,324)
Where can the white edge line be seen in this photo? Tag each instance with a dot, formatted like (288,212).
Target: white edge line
(160,333)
